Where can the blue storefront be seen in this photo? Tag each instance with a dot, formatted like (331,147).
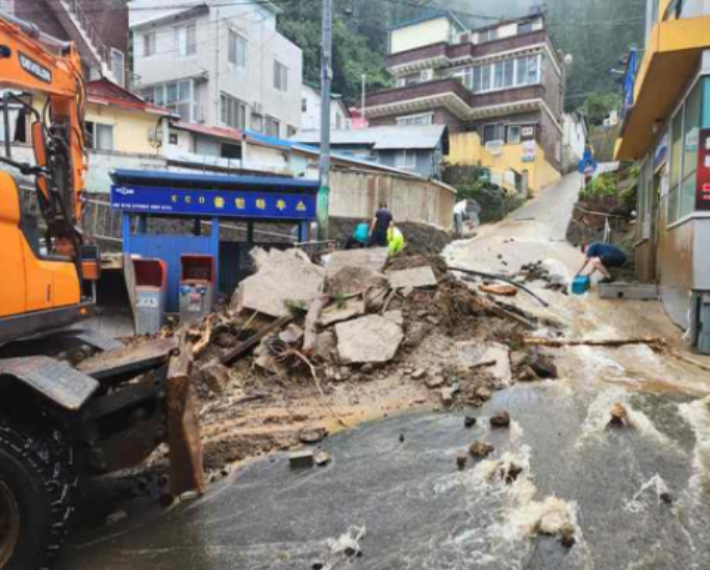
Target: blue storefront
(146,196)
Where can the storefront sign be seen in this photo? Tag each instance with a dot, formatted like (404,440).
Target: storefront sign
(191,202)
(702,196)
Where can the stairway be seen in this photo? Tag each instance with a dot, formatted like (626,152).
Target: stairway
(79,25)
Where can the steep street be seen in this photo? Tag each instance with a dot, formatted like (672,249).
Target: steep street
(392,491)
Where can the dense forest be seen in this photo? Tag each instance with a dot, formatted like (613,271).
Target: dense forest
(597,33)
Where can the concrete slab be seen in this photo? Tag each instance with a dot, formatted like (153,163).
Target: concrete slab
(334,314)
(370,339)
(374,258)
(635,291)
(474,353)
(416,278)
(284,277)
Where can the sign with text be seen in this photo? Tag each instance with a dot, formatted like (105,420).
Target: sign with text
(208,203)
(702,195)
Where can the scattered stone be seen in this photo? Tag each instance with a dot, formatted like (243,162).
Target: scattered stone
(326,345)
(367,369)
(435,383)
(291,334)
(416,278)
(619,416)
(301,459)
(447,396)
(471,354)
(215,376)
(469,421)
(418,374)
(370,339)
(416,333)
(396,317)
(334,314)
(484,394)
(500,420)
(311,436)
(322,458)
(543,366)
(519,359)
(666,497)
(480,449)
(567,538)
(461,459)
(317,566)
(401,438)
(527,374)
(511,474)
(433,320)
(116,517)
(285,279)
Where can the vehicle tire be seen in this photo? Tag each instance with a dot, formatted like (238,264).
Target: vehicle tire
(37,484)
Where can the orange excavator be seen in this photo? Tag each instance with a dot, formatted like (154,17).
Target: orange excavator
(57,421)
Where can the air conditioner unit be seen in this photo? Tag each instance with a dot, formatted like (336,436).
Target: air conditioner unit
(257,108)
(464,38)
(426,75)
(495,148)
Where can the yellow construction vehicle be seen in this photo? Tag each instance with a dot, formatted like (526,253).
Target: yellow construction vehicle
(57,421)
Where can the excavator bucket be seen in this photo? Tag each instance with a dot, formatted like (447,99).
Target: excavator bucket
(186,467)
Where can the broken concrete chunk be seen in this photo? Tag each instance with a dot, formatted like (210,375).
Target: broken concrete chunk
(434,383)
(291,334)
(415,278)
(348,310)
(543,366)
(500,420)
(484,394)
(396,317)
(322,458)
(354,280)
(325,345)
(301,459)
(480,449)
(448,395)
(472,354)
(313,435)
(373,258)
(375,299)
(370,339)
(284,279)
(418,374)
(215,375)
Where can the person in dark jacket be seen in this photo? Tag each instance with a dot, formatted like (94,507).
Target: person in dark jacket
(602,256)
(379,226)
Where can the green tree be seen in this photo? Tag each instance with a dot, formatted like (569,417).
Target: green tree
(598,106)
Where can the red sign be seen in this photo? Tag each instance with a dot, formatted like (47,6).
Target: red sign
(702,195)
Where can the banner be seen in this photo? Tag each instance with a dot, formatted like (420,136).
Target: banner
(702,192)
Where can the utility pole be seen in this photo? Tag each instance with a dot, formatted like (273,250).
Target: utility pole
(364,77)
(324,164)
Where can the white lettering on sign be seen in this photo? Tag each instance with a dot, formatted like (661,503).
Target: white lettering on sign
(35,69)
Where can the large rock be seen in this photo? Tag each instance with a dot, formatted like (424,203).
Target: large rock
(373,258)
(416,278)
(354,280)
(284,278)
(476,354)
(370,339)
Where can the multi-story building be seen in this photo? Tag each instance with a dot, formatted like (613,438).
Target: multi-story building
(503,83)
(311,109)
(666,127)
(218,63)
(99,31)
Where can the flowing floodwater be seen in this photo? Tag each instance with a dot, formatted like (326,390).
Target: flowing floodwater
(638,498)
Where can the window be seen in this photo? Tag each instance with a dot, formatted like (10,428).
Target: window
(405,159)
(494,132)
(233,113)
(420,119)
(271,127)
(488,35)
(291,131)
(98,136)
(525,28)
(533,70)
(280,76)
(149,44)
(237,49)
(174,139)
(257,123)
(179,97)
(503,74)
(186,40)
(304,105)
(118,66)
(691,136)
(231,151)
(514,134)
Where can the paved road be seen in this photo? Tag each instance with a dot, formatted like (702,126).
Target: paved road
(412,509)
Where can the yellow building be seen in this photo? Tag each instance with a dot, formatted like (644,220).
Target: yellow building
(665,127)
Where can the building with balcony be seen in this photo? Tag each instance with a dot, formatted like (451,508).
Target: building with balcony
(100,33)
(665,124)
(218,64)
(499,89)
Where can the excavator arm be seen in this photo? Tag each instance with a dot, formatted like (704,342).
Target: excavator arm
(31,61)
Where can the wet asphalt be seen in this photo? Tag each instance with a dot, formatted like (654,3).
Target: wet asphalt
(393,498)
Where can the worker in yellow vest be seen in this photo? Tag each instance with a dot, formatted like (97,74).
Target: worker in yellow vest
(395,240)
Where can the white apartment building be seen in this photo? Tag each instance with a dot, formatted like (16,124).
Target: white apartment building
(217,64)
(311,110)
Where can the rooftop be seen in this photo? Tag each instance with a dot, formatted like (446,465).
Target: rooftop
(105,92)
(381,138)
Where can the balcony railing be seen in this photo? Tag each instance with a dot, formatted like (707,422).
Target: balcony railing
(420,90)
